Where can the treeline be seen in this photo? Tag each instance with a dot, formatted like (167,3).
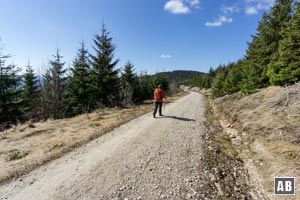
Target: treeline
(93,82)
(182,77)
(272,57)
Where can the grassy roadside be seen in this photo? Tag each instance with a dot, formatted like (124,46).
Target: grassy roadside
(27,146)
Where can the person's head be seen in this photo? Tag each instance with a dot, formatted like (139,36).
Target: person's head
(159,86)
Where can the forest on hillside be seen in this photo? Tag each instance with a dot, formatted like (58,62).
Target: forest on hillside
(272,57)
(183,77)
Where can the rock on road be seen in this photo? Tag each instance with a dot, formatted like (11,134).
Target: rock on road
(146,158)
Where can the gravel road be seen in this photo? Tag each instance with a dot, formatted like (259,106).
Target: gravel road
(146,158)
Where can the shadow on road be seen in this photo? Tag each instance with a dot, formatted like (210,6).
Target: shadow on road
(178,118)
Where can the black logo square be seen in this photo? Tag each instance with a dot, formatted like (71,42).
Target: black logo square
(284,185)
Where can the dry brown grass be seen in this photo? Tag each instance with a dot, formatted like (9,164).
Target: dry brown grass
(27,146)
(267,134)
(263,114)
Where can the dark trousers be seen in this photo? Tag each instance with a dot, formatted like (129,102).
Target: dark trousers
(159,106)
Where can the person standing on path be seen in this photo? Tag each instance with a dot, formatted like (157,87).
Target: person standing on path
(159,95)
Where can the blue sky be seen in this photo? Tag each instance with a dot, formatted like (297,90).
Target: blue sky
(155,35)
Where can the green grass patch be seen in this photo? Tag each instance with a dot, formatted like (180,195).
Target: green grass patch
(57,146)
(225,145)
(16,154)
(94,124)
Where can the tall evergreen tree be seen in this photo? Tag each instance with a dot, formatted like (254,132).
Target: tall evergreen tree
(161,79)
(208,79)
(263,49)
(280,16)
(197,81)
(105,79)
(258,57)
(30,93)
(128,75)
(80,83)
(233,78)
(250,78)
(286,70)
(218,82)
(11,103)
(128,84)
(145,87)
(46,96)
(54,97)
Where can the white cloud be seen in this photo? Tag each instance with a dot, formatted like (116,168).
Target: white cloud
(213,24)
(181,6)
(254,6)
(165,56)
(265,4)
(219,22)
(226,20)
(194,3)
(251,10)
(176,7)
(226,11)
(249,7)
(229,9)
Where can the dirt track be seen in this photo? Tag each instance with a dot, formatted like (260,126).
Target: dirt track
(144,159)
(170,157)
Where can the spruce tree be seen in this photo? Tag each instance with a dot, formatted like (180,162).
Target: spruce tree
(219,80)
(263,49)
(80,83)
(209,79)
(145,87)
(233,78)
(128,84)
(47,96)
(280,16)
(286,70)
(30,93)
(258,57)
(197,81)
(250,78)
(161,79)
(11,103)
(206,81)
(54,96)
(128,75)
(105,79)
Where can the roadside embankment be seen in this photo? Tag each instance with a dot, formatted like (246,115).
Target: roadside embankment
(265,129)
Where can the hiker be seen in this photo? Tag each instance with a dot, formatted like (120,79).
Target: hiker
(159,95)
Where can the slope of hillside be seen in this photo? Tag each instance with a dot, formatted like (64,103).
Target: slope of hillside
(265,127)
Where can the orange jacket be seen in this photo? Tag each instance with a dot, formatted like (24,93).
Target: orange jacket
(159,94)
